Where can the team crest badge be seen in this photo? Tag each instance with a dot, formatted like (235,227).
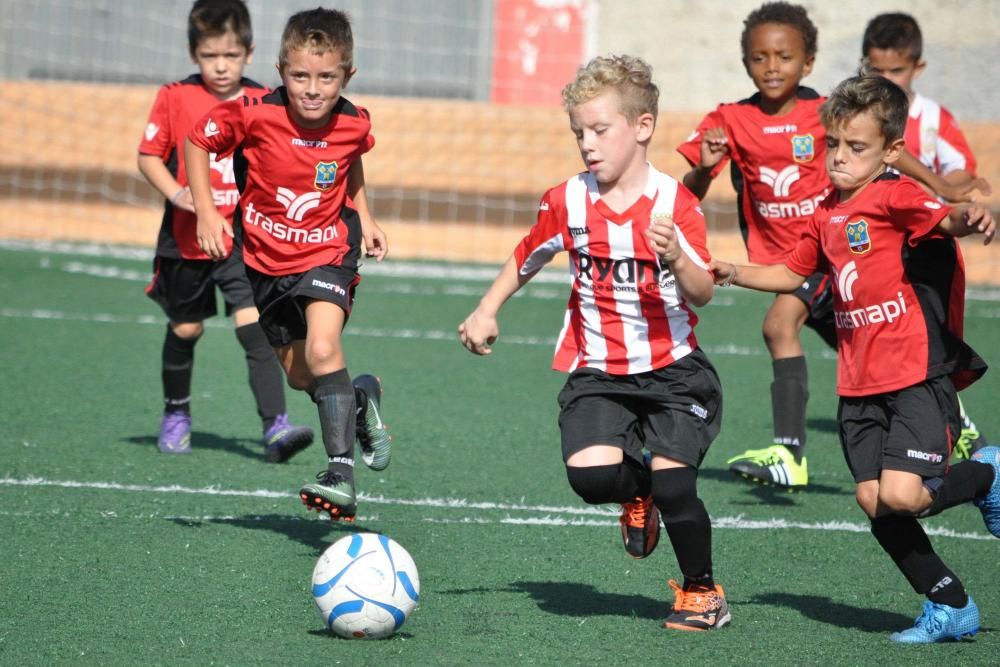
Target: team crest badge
(326,174)
(857,237)
(803,147)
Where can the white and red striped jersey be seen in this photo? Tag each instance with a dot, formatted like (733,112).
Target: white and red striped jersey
(625,314)
(932,135)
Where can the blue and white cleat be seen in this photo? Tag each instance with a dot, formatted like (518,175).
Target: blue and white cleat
(939,623)
(989,504)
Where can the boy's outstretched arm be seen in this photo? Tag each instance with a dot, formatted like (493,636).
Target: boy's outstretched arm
(376,242)
(480,329)
(776,278)
(966,220)
(952,192)
(714,147)
(211,224)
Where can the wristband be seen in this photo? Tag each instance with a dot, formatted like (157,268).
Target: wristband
(728,282)
(173,200)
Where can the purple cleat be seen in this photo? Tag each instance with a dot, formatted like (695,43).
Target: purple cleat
(175,433)
(283,441)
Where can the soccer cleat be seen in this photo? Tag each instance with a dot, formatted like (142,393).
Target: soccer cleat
(640,522)
(771,465)
(939,622)
(175,433)
(283,441)
(373,434)
(970,440)
(989,504)
(698,608)
(331,493)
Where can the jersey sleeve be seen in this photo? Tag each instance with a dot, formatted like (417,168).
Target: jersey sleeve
(912,210)
(368,142)
(222,129)
(690,220)
(691,147)
(545,239)
(807,256)
(158,138)
(952,149)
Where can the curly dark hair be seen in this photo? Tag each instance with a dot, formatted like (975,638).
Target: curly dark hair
(783,13)
(896,31)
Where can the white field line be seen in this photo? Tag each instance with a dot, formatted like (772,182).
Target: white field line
(578,515)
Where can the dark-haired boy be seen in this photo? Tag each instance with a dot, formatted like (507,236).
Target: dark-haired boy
(892,46)
(898,305)
(304,219)
(220,40)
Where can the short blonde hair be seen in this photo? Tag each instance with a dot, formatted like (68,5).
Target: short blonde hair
(630,76)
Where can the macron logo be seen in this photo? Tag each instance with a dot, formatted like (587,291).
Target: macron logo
(151,131)
(211,129)
(296,207)
(780,181)
(845,281)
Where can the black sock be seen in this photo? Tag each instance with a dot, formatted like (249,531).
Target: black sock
(334,397)
(789,395)
(618,483)
(688,525)
(176,371)
(965,481)
(264,372)
(904,539)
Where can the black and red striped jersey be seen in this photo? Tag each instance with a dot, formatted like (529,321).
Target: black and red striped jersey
(178,106)
(295,180)
(782,172)
(625,314)
(899,287)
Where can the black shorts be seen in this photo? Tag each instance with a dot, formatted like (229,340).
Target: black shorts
(911,430)
(673,411)
(817,293)
(281,300)
(185,288)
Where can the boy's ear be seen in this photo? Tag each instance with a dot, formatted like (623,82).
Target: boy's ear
(644,126)
(807,67)
(350,73)
(918,68)
(893,151)
(250,54)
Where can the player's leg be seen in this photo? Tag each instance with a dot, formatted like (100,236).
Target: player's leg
(681,412)
(604,461)
(783,463)
(185,292)
(281,439)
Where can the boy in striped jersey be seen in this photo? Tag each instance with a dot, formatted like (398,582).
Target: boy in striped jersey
(892,46)
(638,380)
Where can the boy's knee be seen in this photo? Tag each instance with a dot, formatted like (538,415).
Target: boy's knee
(867,499)
(594,484)
(187,330)
(300,380)
(675,494)
(900,501)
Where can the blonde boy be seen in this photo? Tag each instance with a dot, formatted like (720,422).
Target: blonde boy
(638,380)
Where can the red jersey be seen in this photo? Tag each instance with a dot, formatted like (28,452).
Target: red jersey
(782,172)
(625,314)
(899,288)
(177,108)
(933,136)
(293,180)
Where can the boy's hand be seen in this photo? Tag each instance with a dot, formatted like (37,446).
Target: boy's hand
(211,227)
(979,218)
(478,332)
(663,237)
(722,272)
(376,242)
(957,194)
(714,146)
(183,200)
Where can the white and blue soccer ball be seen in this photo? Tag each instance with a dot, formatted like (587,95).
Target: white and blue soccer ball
(365,585)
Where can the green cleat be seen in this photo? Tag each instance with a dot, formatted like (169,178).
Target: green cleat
(970,440)
(331,493)
(772,465)
(372,432)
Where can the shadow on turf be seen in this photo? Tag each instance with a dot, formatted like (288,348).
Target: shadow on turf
(825,610)
(824,424)
(316,534)
(201,440)
(575,599)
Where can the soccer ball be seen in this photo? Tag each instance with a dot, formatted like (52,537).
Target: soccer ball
(365,585)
